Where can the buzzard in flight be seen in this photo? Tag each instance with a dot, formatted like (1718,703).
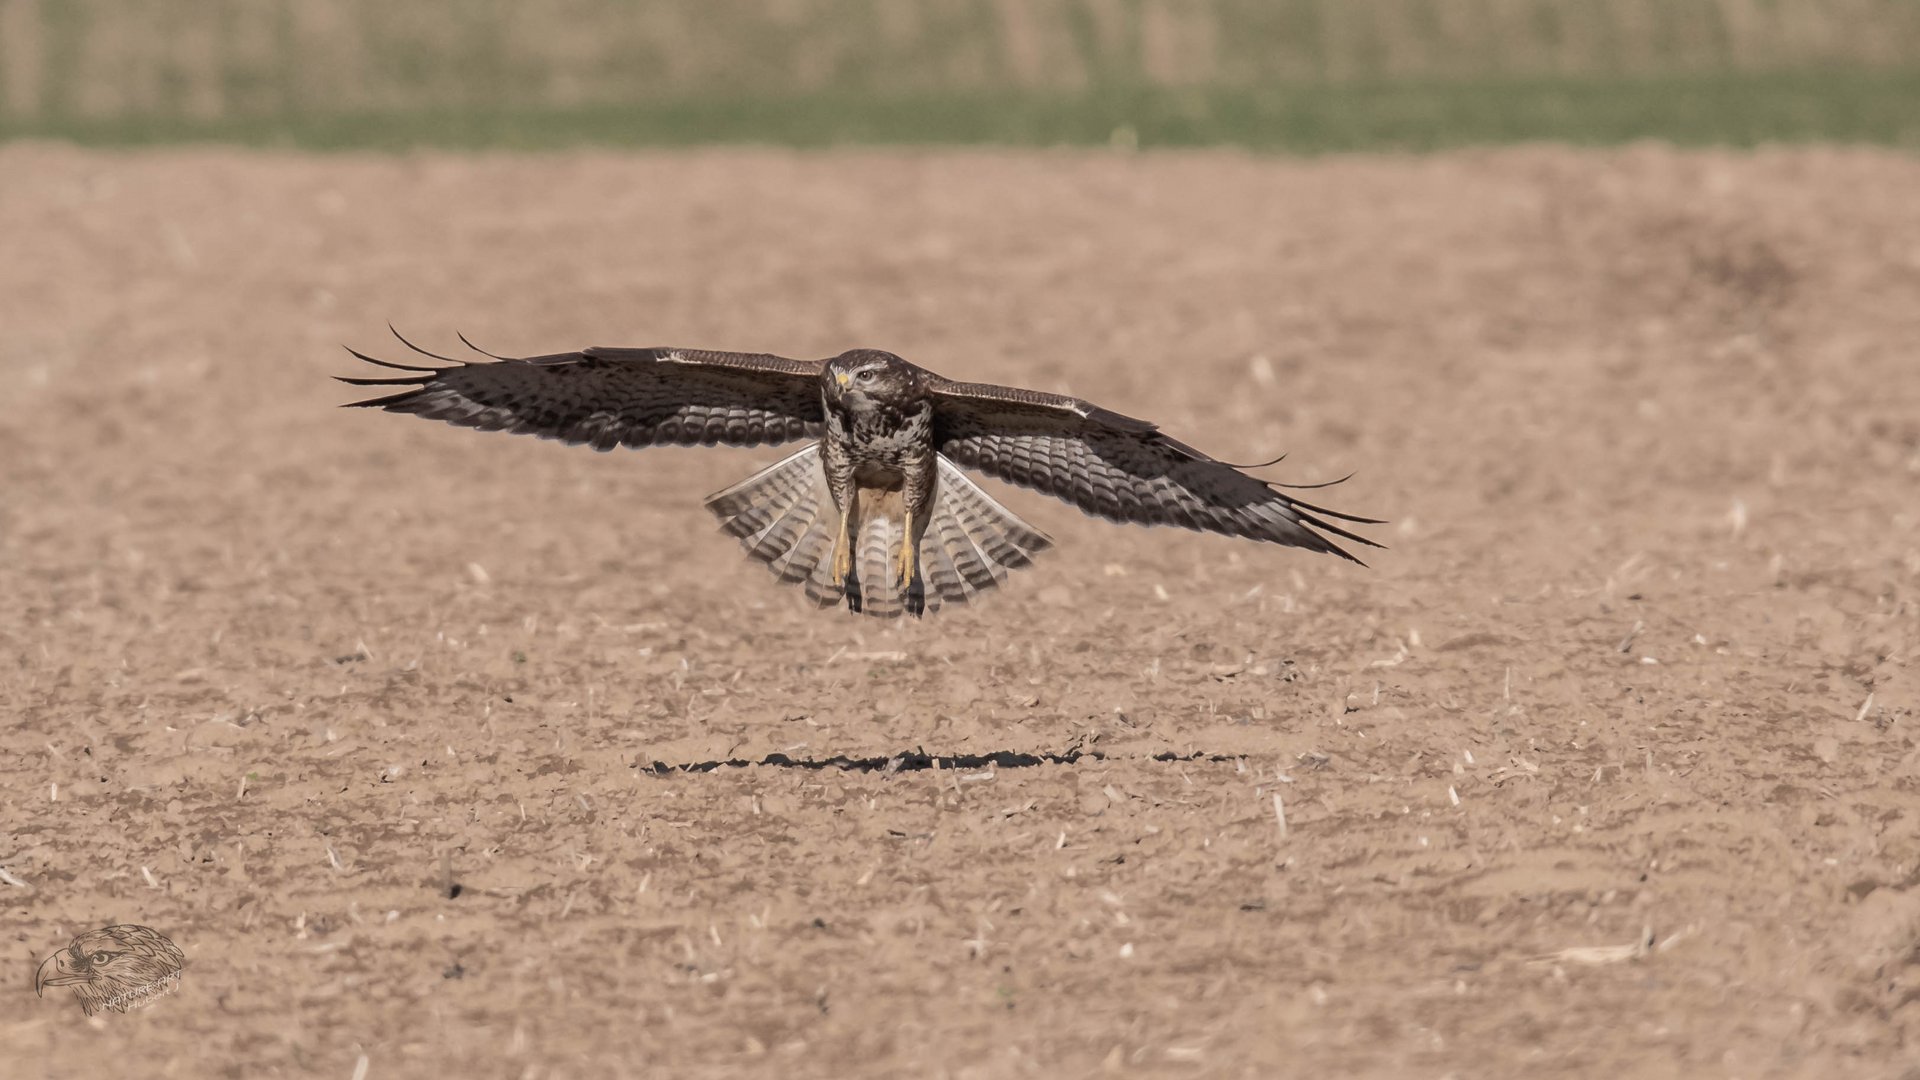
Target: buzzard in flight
(874,511)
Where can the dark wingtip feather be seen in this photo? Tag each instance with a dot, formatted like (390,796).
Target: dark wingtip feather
(390,401)
(1278,486)
(409,380)
(1323,544)
(478,349)
(1317,523)
(1305,487)
(402,339)
(1354,518)
(1261,465)
(358,355)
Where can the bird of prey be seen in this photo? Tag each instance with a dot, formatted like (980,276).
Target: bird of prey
(114,968)
(874,511)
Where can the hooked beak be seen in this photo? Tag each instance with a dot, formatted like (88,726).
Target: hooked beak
(56,971)
(842,378)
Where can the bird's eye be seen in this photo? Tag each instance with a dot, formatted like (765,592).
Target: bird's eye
(100,958)
(865,376)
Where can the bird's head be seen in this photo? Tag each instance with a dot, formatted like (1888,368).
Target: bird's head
(106,967)
(861,380)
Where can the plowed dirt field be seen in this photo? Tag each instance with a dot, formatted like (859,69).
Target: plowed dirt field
(1607,765)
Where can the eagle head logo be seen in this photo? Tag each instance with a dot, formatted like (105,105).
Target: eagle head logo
(114,968)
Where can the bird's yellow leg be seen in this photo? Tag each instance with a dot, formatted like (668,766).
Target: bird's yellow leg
(843,549)
(909,550)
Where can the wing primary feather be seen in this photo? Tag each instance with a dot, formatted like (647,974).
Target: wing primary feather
(388,363)
(385,402)
(405,380)
(1268,465)
(1318,523)
(1262,465)
(402,338)
(1355,518)
(478,349)
(1304,487)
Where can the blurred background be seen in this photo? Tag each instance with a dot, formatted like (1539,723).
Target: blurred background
(1300,75)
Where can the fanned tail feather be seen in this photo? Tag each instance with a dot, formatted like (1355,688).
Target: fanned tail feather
(784,516)
(881,522)
(972,542)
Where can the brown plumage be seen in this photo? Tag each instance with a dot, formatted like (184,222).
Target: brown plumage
(114,968)
(875,512)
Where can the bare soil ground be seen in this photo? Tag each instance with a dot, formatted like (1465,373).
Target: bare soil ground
(1607,767)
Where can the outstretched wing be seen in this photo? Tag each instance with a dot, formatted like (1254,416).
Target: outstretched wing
(1119,468)
(606,397)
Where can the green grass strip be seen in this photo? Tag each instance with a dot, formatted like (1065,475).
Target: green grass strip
(1737,109)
